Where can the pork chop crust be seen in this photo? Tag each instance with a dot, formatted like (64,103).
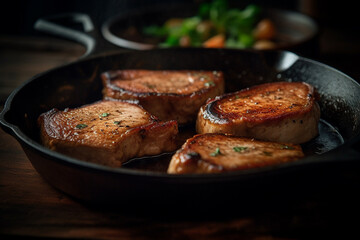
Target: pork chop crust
(280,111)
(106,132)
(216,152)
(167,94)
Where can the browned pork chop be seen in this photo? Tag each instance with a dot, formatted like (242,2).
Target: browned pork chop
(107,132)
(280,111)
(169,95)
(216,152)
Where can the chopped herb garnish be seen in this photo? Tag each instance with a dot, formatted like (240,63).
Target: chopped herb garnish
(81,126)
(104,114)
(216,152)
(204,77)
(149,85)
(269,154)
(239,149)
(287,147)
(209,84)
(117,122)
(237,97)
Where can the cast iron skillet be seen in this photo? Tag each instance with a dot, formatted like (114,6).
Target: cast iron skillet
(78,83)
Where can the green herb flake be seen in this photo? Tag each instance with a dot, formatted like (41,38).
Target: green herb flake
(148,85)
(204,77)
(269,154)
(209,84)
(104,114)
(239,149)
(117,122)
(81,126)
(287,147)
(216,152)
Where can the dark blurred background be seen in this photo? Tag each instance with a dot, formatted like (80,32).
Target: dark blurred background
(339,42)
(18,16)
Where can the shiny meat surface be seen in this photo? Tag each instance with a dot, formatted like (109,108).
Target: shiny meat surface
(168,94)
(165,82)
(214,153)
(107,132)
(280,111)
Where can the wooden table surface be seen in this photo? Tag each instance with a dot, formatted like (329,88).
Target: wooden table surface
(31,208)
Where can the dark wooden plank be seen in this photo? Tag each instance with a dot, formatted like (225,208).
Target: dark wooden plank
(23,57)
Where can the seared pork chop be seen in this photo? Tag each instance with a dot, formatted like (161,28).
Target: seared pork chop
(169,95)
(107,132)
(280,112)
(216,152)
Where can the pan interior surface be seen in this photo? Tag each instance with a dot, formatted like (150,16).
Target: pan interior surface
(79,83)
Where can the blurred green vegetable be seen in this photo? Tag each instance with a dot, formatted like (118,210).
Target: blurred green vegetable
(213,18)
(154,30)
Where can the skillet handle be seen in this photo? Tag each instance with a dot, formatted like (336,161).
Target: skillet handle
(63,25)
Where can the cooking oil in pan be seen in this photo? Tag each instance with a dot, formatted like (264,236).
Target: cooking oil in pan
(329,138)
